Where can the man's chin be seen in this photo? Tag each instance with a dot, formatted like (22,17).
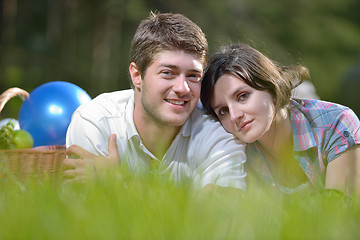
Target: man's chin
(177,121)
(177,118)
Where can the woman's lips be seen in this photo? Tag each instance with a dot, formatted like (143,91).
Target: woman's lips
(245,125)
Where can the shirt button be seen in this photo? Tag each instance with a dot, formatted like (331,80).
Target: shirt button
(346,134)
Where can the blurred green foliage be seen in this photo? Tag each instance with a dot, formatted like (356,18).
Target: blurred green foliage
(118,205)
(87,42)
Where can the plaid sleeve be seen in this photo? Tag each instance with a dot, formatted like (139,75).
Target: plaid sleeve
(344,133)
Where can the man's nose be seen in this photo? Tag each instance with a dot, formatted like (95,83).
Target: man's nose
(181,85)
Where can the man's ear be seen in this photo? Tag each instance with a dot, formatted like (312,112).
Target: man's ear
(135,75)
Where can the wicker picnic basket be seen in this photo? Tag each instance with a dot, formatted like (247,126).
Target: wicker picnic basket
(39,162)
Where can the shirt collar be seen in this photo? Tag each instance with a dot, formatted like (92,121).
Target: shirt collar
(130,125)
(303,136)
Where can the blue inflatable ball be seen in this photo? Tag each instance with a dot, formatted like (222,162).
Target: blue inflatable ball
(46,113)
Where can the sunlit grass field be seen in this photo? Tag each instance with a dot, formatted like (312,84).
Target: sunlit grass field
(117,205)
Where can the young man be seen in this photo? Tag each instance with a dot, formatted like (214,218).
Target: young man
(156,123)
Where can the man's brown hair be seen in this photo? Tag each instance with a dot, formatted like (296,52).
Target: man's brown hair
(164,32)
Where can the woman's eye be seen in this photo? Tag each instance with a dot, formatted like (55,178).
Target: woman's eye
(243,96)
(222,112)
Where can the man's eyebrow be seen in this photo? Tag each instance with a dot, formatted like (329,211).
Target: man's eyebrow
(169,66)
(197,70)
(176,67)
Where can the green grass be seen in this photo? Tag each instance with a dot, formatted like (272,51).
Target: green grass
(117,205)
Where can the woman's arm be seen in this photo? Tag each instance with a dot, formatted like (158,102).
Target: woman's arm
(343,173)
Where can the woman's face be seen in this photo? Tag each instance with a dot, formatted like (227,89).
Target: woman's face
(242,110)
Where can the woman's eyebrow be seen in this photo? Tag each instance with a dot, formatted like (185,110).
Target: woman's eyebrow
(217,106)
(239,89)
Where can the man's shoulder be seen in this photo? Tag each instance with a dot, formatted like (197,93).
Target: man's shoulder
(106,104)
(209,142)
(206,126)
(117,97)
(199,118)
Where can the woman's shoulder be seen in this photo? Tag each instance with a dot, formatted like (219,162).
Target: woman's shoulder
(316,105)
(320,112)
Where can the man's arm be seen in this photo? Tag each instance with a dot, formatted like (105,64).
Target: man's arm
(88,134)
(81,162)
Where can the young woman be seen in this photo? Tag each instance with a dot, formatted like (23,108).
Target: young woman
(292,143)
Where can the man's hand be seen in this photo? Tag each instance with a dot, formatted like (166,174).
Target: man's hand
(212,190)
(81,163)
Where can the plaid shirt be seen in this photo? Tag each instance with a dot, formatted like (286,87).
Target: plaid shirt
(321,132)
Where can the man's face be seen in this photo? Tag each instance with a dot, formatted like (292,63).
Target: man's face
(170,88)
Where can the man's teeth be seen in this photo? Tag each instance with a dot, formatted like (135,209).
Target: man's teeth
(176,102)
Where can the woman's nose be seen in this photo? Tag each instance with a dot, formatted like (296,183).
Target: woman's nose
(235,114)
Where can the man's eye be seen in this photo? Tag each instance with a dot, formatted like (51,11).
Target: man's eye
(194,77)
(167,74)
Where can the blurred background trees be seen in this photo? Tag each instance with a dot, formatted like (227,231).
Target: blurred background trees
(86,42)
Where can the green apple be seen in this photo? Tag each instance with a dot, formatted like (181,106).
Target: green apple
(22,139)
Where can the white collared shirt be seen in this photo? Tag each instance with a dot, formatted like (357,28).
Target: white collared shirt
(202,151)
